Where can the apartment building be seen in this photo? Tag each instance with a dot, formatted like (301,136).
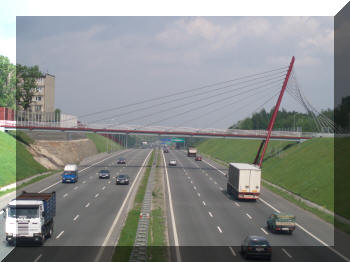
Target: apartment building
(44,96)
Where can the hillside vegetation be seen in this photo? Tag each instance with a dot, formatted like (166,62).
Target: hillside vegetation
(306,169)
(103,144)
(16,162)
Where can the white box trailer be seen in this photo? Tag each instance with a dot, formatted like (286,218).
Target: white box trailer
(244,181)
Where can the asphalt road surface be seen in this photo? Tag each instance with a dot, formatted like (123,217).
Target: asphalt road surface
(210,225)
(85,212)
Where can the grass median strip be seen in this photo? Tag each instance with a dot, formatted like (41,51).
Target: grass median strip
(128,233)
(158,251)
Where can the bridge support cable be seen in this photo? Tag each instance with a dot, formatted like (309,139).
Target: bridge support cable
(267,81)
(235,103)
(273,118)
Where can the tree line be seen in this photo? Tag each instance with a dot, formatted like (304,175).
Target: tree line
(17,84)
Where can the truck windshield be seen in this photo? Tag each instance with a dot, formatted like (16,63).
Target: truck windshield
(26,212)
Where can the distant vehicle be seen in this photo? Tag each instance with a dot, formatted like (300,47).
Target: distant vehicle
(256,246)
(121,161)
(166,150)
(191,151)
(278,222)
(70,174)
(198,158)
(29,217)
(172,163)
(104,173)
(122,179)
(244,181)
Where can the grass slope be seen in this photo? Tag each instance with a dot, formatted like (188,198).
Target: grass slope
(307,169)
(101,143)
(16,163)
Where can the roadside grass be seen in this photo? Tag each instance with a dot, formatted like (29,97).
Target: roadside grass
(128,233)
(306,169)
(16,163)
(157,250)
(34,180)
(22,137)
(103,143)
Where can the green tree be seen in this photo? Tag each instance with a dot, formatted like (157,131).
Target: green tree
(25,84)
(7,83)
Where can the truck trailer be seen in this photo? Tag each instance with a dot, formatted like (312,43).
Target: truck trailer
(191,151)
(29,217)
(244,181)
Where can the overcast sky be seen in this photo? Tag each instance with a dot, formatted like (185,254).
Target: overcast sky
(104,62)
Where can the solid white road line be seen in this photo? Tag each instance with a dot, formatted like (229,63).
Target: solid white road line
(237,204)
(285,252)
(219,229)
(76,217)
(249,216)
(60,234)
(87,205)
(302,228)
(204,204)
(263,230)
(65,195)
(122,207)
(46,188)
(38,258)
(97,195)
(210,214)
(173,223)
(232,251)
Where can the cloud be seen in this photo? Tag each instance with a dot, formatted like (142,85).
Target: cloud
(8,48)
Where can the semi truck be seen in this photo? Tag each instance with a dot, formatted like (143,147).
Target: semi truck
(29,217)
(70,174)
(191,151)
(244,181)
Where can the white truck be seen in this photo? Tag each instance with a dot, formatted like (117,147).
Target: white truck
(244,181)
(191,151)
(29,217)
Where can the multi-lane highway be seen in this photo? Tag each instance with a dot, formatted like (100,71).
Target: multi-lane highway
(88,212)
(210,225)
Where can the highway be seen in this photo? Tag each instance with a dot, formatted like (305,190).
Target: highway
(86,212)
(210,225)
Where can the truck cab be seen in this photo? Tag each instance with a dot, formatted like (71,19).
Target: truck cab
(29,217)
(70,174)
(278,222)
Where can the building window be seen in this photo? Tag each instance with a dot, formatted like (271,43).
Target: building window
(38,98)
(37,108)
(39,88)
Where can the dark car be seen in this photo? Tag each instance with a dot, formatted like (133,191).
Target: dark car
(104,173)
(166,150)
(122,179)
(198,158)
(121,161)
(256,246)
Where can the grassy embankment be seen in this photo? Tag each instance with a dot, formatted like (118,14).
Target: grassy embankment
(128,233)
(16,163)
(103,144)
(306,169)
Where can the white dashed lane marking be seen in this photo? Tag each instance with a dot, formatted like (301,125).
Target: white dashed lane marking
(263,230)
(76,188)
(204,204)
(97,195)
(210,214)
(249,216)
(285,252)
(84,182)
(219,229)
(76,217)
(232,251)
(199,194)
(87,205)
(65,195)
(103,188)
(60,234)
(38,258)
(237,204)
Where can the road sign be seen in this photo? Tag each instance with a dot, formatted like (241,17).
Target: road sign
(178,140)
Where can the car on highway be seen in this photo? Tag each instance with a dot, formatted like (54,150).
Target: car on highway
(166,150)
(172,163)
(121,161)
(104,173)
(256,246)
(122,179)
(198,158)
(278,222)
